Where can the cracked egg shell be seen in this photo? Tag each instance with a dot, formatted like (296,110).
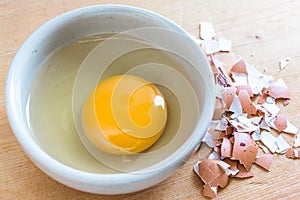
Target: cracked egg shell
(243,173)
(219,109)
(246,102)
(280,122)
(209,191)
(262,98)
(228,95)
(244,87)
(244,149)
(226,148)
(290,153)
(264,161)
(232,163)
(278,90)
(239,67)
(211,173)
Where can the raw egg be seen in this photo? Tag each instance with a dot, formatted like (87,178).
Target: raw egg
(124,114)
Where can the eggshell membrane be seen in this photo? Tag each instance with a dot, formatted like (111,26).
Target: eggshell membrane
(265,161)
(239,67)
(228,95)
(280,122)
(246,102)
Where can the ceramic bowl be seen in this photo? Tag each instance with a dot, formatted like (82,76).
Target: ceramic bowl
(95,20)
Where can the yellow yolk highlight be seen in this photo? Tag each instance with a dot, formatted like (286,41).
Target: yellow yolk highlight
(124,114)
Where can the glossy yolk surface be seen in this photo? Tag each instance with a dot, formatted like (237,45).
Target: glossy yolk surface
(124,114)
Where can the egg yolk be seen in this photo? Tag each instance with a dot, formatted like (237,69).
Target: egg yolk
(124,114)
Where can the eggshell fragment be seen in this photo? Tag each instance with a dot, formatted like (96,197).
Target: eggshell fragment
(284,63)
(290,153)
(280,122)
(226,148)
(293,153)
(244,149)
(212,174)
(236,107)
(214,155)
(223,78)
(282,145)
(269,141)
(239,79)
(262,98)
(278,90)
(211,47)
(207,31)
(228,95)
(291,128)
(224,45)
(244,87)
(229,130)
(246,102)
(219,109)
(271,107)
(209,141)
(257,81)
(239,67)
(247,123)
(297,140)
(209,191)
(243,172)
(264,161)
(222,124)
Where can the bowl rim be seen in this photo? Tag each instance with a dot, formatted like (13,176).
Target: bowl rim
(41,158)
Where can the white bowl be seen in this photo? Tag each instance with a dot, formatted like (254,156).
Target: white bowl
(91,21)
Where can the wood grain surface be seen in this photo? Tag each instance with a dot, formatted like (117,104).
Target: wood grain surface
(263,32)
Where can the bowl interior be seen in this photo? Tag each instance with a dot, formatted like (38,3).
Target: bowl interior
(110,20)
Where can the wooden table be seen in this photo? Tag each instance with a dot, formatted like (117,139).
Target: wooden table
(263,32)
